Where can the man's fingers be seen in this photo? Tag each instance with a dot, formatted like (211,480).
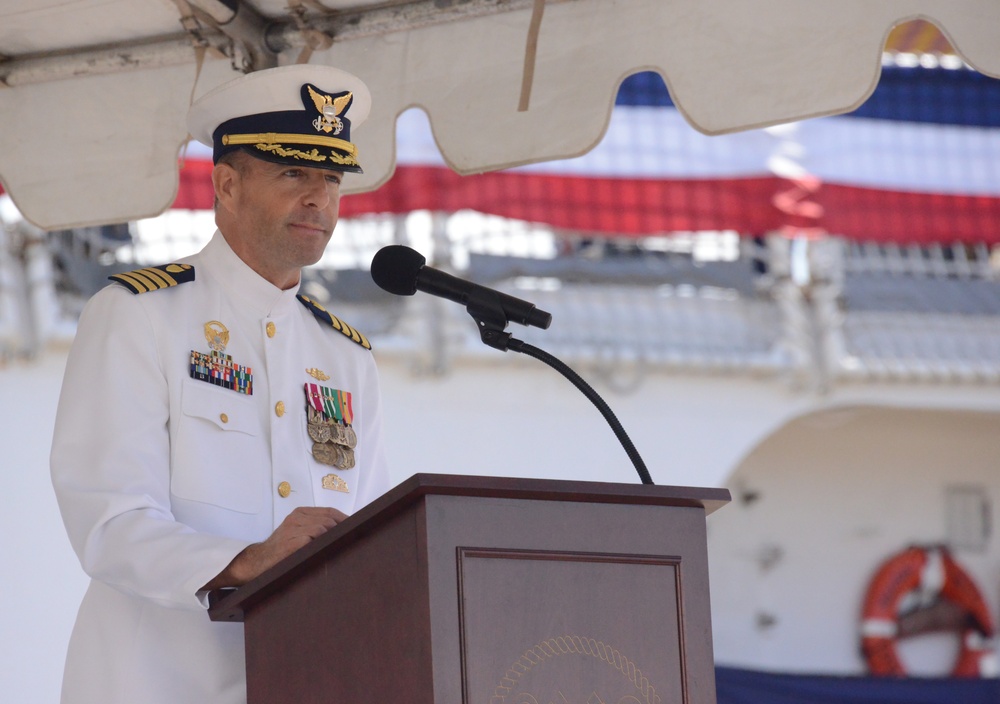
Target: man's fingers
(310,516)
(308,522)
(301,526)
(312,530)
(319,512)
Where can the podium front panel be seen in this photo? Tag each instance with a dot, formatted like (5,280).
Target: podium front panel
(526,639)
(535,602)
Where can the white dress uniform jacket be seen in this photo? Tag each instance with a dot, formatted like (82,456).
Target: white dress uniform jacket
(162,478)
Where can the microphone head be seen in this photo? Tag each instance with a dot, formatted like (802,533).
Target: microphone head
(395,269)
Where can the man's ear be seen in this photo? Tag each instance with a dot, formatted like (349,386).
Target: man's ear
(225,180)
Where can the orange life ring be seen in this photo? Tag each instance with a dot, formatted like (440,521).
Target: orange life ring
(919,590)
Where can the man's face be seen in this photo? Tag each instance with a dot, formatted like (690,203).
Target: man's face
(278,218)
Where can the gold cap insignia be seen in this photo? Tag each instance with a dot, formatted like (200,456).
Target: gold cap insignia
(330,109)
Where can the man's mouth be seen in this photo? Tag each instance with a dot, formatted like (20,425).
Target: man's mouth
(312,226)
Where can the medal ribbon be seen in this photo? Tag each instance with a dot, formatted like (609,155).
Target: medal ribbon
(334,404)
(331,404)
(314,397)
(345,399)
(219,369)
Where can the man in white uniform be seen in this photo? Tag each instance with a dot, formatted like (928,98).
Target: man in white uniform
(212,421)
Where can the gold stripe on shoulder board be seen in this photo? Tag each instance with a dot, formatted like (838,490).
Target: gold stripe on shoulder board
(333,321)
(154,278)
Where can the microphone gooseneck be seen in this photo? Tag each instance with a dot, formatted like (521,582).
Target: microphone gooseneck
(595,398)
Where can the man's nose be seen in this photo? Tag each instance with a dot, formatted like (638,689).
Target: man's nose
(317,191)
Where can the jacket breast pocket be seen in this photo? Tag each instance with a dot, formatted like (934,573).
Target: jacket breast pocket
(220,455)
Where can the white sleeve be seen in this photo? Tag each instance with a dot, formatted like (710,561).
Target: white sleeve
(110,461)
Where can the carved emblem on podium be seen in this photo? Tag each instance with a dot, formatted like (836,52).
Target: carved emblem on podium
(538,675)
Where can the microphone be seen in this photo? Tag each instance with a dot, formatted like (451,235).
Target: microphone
(403,271)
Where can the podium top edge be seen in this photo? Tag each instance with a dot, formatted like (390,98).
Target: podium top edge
(711,499)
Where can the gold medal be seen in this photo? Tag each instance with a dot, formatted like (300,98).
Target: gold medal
(334,455)
(347,458)
(318,432)
(337,434)
(328,454)
(316,425)
(350,437)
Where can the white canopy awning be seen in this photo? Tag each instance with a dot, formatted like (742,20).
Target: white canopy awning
(96,92)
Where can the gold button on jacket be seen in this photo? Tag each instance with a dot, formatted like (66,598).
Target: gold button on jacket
(284,489)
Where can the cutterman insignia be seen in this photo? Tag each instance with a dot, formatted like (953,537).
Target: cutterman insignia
(336,323)
(154,278)
(317,374)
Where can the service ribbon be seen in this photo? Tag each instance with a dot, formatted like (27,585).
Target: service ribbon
(314,397)
(345,398)
(331,404)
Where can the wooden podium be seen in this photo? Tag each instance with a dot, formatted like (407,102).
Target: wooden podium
(478,590)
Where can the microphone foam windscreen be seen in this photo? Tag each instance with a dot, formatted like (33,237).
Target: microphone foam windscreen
(395,269)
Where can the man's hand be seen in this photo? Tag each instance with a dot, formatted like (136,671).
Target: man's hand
(301,526)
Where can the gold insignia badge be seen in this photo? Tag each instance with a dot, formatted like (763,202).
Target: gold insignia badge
(335,483)
(217,335)
(317,374)
(330,109)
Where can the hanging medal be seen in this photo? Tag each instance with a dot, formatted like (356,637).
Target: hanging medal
(329,414)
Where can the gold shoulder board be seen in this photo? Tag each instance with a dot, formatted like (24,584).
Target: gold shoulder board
(154,278)
(333,321)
